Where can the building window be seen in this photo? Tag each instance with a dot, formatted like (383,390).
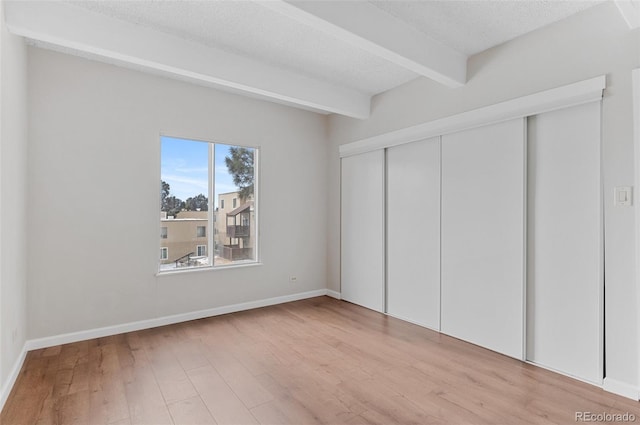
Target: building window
(164,253)
(197,179)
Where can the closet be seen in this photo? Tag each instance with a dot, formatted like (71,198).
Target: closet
(413,232)
(362,230)
(486,226)
(483,195)
(565,283)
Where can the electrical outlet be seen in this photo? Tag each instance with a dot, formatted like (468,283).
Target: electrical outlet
(293,279)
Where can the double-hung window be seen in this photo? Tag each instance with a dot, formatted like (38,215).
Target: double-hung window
(197,179)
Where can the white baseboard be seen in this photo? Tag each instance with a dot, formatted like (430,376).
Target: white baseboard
(621,388)
(35,344)
(13,376)
(334,294)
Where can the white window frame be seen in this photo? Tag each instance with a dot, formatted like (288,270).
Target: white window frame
(165,250)
(198,247)
(211,210)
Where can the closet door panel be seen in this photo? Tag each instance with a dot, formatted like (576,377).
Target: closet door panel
(413,232)
(483,198)
(565,259)
(362,230)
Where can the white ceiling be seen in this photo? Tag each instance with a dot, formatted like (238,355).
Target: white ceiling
(249,29)
(474,26)
(328,56)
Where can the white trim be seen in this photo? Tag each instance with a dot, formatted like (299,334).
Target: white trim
(545,101)
(13,376)
(56,24)
(635,75)
(621,388)
(164,249)
(172,272)
(399,44)
(35,344)
(334,294)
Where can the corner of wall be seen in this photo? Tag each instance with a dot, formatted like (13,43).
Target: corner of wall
(13,199)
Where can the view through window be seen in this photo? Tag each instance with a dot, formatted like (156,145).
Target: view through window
(192,173)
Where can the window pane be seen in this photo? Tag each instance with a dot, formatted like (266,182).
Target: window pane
(184,201)
(191,234)
(235,233)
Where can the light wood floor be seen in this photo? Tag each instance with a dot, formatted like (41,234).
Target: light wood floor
(306,362)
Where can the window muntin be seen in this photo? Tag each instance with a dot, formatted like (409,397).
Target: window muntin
(193,173)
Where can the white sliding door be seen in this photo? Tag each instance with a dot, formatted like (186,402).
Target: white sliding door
(565,258)
(413,232)
(362,230)
(483,199)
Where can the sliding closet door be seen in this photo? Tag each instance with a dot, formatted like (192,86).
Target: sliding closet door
(413,232)
(362,230)
(565,258)
(483,198)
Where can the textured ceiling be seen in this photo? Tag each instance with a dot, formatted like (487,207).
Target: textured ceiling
(370,59)
(249,29)
(473,26)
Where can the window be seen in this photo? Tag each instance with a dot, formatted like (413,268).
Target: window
(197,179)
(164,253)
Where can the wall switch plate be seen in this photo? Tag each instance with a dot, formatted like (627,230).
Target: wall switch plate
(622,196)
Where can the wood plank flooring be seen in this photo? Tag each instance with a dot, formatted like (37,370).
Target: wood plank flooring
(317,361)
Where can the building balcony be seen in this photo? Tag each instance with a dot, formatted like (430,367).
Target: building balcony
(237,231)
(235,253)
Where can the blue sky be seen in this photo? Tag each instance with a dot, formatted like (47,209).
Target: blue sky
(185,167)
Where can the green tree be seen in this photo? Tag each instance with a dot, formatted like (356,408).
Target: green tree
(174,206)
(199,202)
(165,189)
(169,203)
(240,166)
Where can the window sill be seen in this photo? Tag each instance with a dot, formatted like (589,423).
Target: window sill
(206,269)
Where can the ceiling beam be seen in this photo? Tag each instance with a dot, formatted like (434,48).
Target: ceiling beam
(88,33)
(630,11)
(365,26)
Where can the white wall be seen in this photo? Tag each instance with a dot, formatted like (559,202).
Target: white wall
(94,163)
(13,200)
(592,43)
